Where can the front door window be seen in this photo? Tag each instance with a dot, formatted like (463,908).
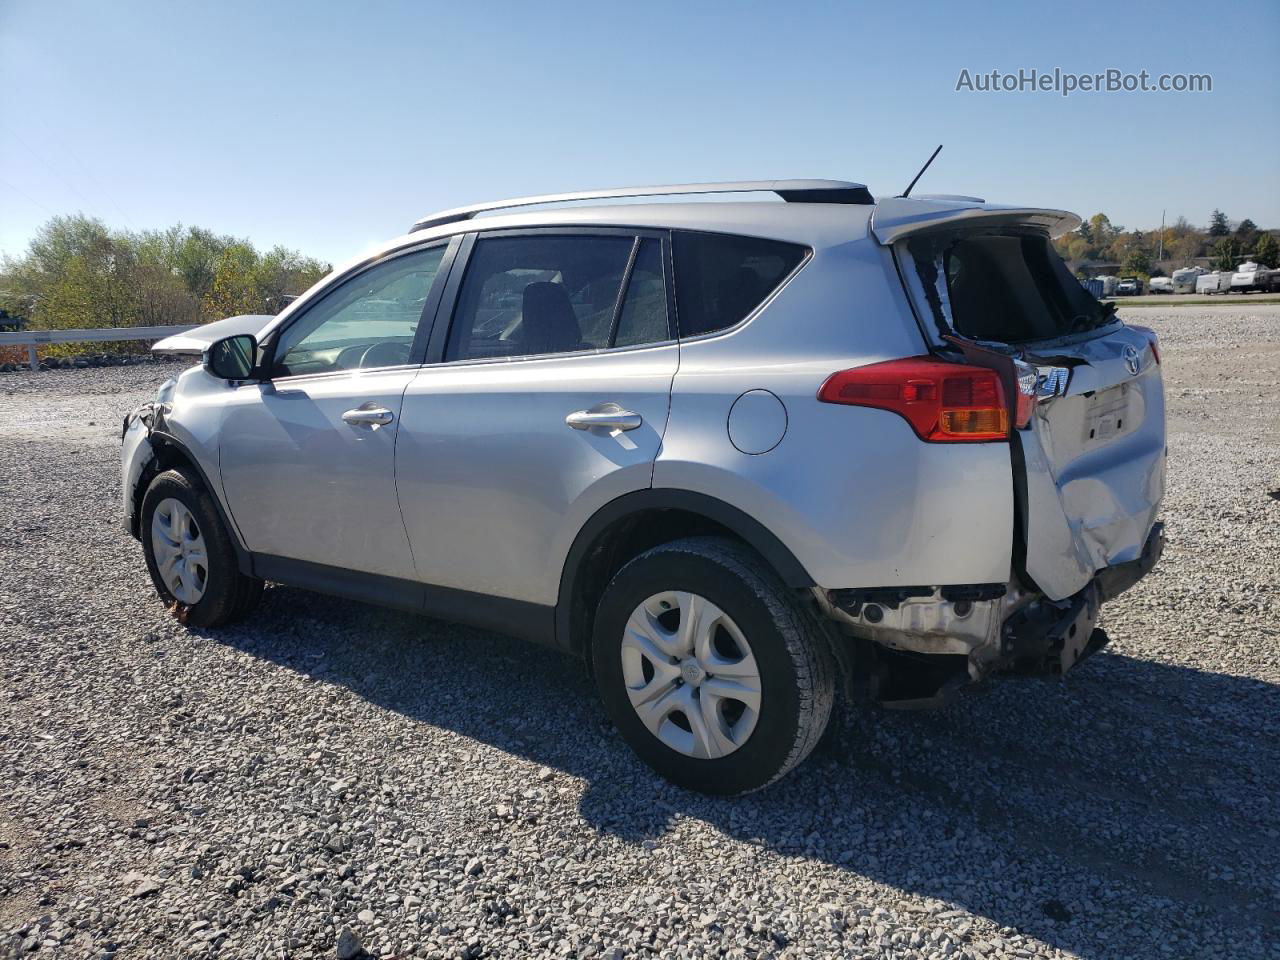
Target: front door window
(368,321)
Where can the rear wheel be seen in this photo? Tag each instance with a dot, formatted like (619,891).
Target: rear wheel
(713,670)
(190,555)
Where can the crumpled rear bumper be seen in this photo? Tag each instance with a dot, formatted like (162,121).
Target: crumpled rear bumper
(951,637)
(1050,637)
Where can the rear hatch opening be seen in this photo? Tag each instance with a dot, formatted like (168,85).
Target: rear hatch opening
(1089,463)
(1003,289)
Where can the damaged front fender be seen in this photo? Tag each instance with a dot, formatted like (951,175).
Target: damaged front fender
(135,457)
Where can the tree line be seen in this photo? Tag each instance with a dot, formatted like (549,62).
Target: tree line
(78,273)
(1136,251)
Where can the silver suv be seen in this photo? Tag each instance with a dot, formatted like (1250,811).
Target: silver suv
(732,455)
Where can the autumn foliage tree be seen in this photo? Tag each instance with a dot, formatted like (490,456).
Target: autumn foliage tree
(1135,251)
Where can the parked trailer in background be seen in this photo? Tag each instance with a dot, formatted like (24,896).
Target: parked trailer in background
(1249,276)
(1160,285)
(1184,280)
(1108,285)
(1096,287)
(1219,282)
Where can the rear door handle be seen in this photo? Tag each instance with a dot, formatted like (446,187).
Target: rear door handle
(610,416)
(368,415)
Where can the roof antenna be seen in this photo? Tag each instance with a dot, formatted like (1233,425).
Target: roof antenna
(907,192)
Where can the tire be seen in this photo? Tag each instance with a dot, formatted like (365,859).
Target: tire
(224,593)
(784,642)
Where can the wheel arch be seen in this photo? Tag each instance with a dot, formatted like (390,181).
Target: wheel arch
(635,522)
(170,453)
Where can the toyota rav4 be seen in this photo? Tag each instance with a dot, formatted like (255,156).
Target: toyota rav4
(735,456)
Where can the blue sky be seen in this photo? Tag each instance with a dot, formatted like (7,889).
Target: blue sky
(331,126)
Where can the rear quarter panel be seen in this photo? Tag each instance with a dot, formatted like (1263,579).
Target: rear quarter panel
(852,492)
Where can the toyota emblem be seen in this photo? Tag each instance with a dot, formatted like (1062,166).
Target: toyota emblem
(1132,360)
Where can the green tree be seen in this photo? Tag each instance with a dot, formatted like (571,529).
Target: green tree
(1218,224)
(1137,262)
(1102,231)
(1247,233)
(1226,254)
(281,273)
(1267,251)
(77,272)
(233,290)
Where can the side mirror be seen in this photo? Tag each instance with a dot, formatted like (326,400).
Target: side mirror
(232,358)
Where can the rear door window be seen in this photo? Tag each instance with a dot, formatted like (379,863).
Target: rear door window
(721,279)
(535,294)
(644,307)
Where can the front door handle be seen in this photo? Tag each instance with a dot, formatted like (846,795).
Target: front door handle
(610,416)
(368,415)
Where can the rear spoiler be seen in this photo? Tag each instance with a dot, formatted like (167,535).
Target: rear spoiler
(898,217)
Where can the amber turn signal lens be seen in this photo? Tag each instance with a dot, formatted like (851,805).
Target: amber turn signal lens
(992,423)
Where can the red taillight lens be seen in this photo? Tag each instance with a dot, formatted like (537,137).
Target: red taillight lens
(944,402)
(1153,339)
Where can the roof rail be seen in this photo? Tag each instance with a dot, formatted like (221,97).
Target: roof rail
(793,191)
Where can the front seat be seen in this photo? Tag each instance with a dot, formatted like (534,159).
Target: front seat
(548,323)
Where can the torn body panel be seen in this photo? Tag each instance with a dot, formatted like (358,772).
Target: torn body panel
(1090,459)
(136,456)
(940,640)
(931,620)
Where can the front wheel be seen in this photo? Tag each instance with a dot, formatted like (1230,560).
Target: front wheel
(712,669)
(189,552)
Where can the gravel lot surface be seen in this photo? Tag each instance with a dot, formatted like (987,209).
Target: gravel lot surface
(331,777)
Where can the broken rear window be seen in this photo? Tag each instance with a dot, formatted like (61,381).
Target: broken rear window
(1003,287)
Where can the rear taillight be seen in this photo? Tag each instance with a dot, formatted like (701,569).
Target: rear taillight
(944,402)
(1153,339)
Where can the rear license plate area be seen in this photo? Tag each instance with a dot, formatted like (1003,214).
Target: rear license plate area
(1107,415)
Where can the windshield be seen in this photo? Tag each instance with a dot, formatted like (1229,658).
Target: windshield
(1004,287)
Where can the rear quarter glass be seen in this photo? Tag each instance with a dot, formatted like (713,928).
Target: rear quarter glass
(721,279)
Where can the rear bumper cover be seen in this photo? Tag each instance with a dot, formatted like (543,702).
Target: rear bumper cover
(1016,630)
(1051,638)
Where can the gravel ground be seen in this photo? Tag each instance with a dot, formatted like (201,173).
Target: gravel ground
(331,775)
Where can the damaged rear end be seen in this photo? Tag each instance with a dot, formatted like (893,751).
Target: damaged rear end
(1086,431)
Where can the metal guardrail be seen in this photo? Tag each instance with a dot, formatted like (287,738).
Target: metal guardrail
(33,338)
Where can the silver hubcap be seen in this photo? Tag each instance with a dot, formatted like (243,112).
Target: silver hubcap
(179,551)
(690,674)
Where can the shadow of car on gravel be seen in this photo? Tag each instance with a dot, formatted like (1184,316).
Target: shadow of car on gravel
(1054,807)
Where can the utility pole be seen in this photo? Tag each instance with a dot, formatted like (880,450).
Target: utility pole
(1160,255)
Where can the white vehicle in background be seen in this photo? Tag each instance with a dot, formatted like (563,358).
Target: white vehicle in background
(1249,275)
(1109,285)
(1184,280)
(1219,282)
(1129,287)
(1160,285)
